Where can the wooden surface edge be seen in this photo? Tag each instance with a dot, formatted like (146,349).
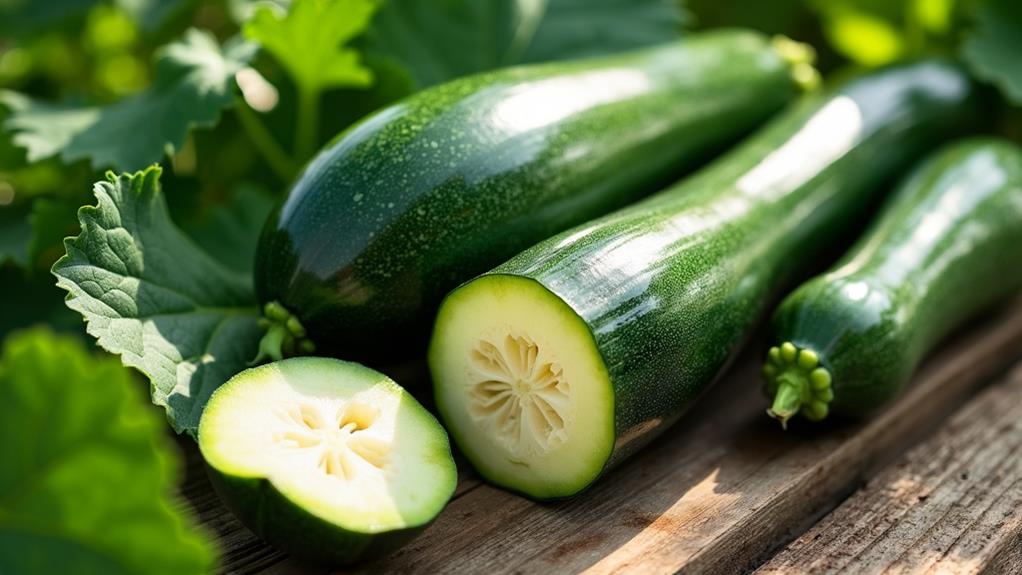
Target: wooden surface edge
(719,493)
(944,383)
(949,505)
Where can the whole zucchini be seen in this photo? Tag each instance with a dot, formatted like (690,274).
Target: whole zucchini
(569,357)
(947,246)
(431,191)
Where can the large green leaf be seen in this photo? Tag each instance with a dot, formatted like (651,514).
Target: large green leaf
(442,39)
(86,483)
(152,296)
(194,82)
(308,39)
(994,49)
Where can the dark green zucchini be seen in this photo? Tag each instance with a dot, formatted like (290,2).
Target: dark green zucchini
(948,246)
(436,189)
(569,357)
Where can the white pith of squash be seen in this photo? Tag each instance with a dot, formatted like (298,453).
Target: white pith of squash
(340,440)
(521,386)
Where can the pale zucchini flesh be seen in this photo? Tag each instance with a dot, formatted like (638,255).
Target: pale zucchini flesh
(525,392)
(340,441)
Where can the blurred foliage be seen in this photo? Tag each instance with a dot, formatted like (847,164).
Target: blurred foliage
(309,42)
(995,50)
(439,41)
(193,82)
(88,474)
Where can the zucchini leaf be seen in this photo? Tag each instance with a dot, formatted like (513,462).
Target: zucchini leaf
(439,41)
(88,471)
(308,40)
(194,82)
(149,294)
(994,48)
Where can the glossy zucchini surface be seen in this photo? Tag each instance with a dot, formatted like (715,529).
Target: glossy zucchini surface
(566,359)
(946,247)
(440,187)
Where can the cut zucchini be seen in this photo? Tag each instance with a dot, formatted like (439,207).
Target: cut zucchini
(526,386)
(331,461)
(636,313)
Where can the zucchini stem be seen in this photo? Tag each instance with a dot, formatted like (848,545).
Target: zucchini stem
(796,383)
(788,399)
(285,335)
(276,158)
(306,132)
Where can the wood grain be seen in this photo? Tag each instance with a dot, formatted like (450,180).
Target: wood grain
(716,494)
(951,505)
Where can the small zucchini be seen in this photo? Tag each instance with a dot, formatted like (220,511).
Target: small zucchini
(566,359)
(947,246)
(450,182)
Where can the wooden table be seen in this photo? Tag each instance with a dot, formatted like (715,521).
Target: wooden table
(933,483)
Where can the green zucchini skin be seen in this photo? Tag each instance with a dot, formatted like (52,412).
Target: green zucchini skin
(312,540)
(947,246)
(444,185)
(670,287)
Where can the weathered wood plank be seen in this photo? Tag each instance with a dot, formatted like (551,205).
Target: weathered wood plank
(717,493)
(951,505)
(714,495)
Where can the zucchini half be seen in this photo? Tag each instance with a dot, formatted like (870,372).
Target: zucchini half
(329,460)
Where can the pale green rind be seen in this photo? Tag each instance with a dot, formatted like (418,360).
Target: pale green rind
(488,462)
(325,375)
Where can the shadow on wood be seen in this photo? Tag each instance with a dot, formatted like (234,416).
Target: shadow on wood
(717,493)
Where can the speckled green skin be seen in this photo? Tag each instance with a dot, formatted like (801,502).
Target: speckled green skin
(671,286)
(452,181)
(946,247)
(286,525)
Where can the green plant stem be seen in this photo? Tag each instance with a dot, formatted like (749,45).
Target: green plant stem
(280,162)
(308,121)
(914,33)
(788,400)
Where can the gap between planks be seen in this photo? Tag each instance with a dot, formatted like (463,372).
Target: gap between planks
(951,505)
(716,494)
